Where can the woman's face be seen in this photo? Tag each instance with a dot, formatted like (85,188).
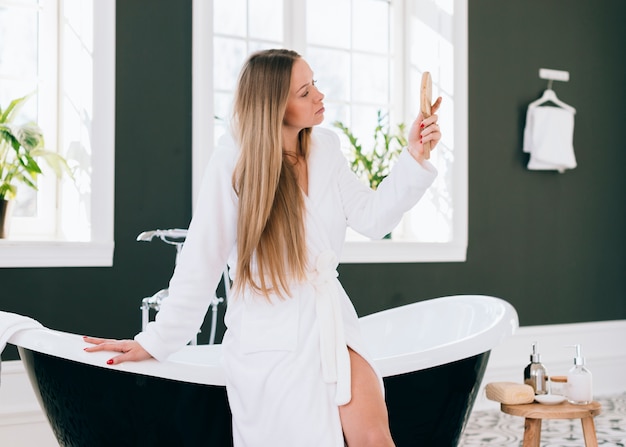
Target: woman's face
(304,106)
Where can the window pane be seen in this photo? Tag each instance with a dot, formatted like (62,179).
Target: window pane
(229,55)
(335,112)
(328,23)
(432,219)
(18,77)
(10,90)
(266,20)
(229,17)
(25,202)
(18,43)
(222,106)
(363,124)
(371,26)
(446,5)
(370,79)
(331,69)
(254,46)
(79,19)
(78,76)
(424,28)
(446,61)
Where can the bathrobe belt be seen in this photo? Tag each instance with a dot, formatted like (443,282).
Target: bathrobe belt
(334,351)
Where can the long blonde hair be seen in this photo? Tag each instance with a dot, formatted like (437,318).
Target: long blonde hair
(270,226)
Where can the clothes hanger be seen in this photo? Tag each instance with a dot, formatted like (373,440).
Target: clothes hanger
(550,96)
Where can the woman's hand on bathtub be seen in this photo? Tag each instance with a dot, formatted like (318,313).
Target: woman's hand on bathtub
(130,350)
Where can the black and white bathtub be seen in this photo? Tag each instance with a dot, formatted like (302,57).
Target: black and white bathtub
(432,354)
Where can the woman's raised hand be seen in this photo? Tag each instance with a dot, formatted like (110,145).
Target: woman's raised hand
(423,130)
(129,350)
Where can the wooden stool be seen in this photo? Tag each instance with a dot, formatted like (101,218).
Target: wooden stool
(535,412)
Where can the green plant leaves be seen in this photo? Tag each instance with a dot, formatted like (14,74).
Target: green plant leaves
(20,147)
(374,165)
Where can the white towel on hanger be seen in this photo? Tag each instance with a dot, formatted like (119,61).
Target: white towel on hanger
(549,138)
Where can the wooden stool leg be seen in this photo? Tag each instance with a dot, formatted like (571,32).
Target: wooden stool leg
(532,432)
(589,431)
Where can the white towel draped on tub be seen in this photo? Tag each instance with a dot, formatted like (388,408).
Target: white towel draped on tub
(11,323)
(549,138)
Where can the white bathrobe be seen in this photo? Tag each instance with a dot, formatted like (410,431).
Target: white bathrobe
(286,362)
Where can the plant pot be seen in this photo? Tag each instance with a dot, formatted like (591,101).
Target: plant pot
(6,208)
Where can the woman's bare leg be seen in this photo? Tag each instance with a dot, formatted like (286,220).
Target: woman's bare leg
(364,419)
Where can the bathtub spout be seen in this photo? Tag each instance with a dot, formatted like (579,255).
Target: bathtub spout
(214,303)
(175,237)
(154,303)
(151,302)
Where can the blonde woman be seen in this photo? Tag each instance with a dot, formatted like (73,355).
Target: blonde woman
(275,203)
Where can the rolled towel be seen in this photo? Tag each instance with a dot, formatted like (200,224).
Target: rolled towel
(510,393)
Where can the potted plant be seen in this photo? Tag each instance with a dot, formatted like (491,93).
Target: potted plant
(373,165)
(21,145)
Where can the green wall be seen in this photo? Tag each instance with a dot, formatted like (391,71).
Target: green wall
(551,244)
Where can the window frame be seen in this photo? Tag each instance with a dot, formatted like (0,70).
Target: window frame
(98,251)
(43,224)
(387,251)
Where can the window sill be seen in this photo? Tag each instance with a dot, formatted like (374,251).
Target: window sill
(55,254)
(396,251)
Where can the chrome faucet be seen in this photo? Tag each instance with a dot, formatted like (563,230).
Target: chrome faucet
(176,237)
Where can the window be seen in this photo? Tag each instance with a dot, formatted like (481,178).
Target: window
(64,53)
(367,55)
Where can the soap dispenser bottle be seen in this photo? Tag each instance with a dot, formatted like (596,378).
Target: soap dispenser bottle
(535,373)
(579,383)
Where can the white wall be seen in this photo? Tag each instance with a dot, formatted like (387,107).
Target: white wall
(22,422)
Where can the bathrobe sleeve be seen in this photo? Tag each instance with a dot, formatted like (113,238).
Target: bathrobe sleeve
(210,239)
(376,213)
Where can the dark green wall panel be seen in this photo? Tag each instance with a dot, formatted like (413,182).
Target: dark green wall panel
(551,244)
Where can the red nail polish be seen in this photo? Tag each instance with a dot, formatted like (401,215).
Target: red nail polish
(420,141)
(110,362)
(422,126)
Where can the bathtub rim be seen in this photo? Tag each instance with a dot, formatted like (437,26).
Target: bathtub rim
(474,344)
(205,368)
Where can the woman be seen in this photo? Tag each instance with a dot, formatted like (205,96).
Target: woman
(275,203)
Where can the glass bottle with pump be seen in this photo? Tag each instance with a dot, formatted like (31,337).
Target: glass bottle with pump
(535,373)
(579,381)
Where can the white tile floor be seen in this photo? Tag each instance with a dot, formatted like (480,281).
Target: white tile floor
(495,429)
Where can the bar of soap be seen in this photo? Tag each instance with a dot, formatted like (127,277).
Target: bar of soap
(510,393)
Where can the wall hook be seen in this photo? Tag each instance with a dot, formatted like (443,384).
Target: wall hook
(553,75)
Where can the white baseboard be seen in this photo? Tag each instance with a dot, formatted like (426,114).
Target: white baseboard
(23,423)
(603,346)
